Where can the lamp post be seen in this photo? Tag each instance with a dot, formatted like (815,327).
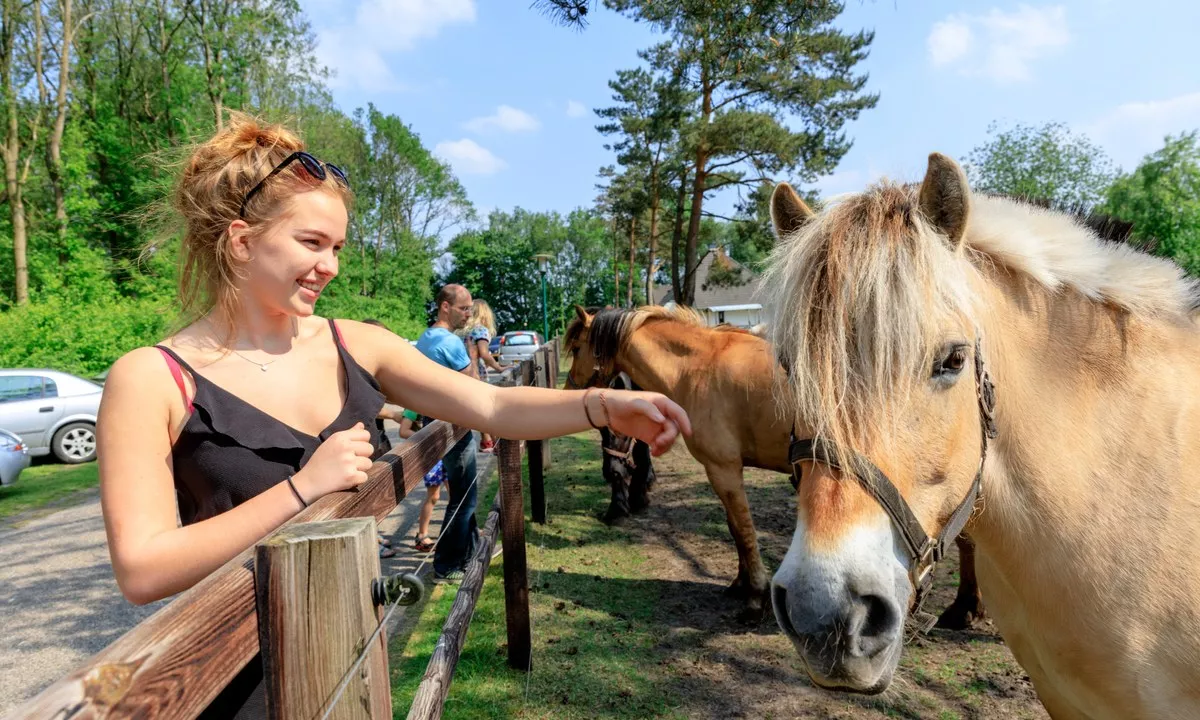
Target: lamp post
(543,261)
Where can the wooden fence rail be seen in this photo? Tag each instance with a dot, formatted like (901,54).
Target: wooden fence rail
(177,661)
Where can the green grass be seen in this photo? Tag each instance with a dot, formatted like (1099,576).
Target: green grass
(591,607)
(41,485)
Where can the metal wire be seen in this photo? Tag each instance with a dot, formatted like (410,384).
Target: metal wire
(345,682)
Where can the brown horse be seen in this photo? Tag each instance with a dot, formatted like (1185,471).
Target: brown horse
(717,376)
(944,345)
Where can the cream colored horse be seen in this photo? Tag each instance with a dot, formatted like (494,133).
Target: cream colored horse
(1088,529)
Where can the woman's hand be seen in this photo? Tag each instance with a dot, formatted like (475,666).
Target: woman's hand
(341,463)
(650,417)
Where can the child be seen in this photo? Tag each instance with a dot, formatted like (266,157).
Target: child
(433,484)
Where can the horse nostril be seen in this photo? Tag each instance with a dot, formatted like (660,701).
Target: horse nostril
(779,601)
(874,625)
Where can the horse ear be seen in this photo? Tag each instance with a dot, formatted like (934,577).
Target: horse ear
(945,197)
(788,211)
(582,314)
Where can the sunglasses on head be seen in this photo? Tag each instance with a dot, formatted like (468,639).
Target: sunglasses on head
(311,165)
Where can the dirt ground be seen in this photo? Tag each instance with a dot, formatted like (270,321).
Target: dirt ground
(725,669)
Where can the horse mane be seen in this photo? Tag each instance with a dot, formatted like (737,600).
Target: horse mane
(611,327)
(863,287)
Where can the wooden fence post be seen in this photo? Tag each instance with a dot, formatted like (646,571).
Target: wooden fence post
(533,449)
(516,574)
(315,614)
(549,380)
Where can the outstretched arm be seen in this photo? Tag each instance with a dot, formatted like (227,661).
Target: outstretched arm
(521,413)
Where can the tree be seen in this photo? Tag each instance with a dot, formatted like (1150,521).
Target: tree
(1161,198)
(496,263)
(1049,163)
(16,175)
(572,13)
(646,121)
(748,64)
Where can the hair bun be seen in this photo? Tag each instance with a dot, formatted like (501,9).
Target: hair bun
(245,133)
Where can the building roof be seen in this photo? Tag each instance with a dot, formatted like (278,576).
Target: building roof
(719,296)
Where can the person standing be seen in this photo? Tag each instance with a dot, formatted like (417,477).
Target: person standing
(459,533)
(476,335)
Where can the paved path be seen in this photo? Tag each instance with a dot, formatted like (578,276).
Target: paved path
(59,602)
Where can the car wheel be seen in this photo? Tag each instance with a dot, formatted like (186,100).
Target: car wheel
(75,443)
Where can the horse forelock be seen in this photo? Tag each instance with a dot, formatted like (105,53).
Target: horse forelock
(865,289)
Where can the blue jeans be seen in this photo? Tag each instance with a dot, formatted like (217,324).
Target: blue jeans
(459,536)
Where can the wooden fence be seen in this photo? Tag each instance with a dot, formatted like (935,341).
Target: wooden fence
(301,601)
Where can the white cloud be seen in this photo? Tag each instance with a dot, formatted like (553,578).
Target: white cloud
(468,157)
(949,41)
(505,119)
(1002,46)
(1130,131)
(357,48)
(576,109)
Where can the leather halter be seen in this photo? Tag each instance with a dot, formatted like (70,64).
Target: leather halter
(624,455)
(924,552)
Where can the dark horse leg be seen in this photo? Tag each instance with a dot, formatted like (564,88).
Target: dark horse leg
(967,608)
(642,478)
(617,474)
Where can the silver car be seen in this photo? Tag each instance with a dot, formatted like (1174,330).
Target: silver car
(14,457)
(52,412)
(518,345)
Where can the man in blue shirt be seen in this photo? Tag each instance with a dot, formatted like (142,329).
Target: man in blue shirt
(460,534)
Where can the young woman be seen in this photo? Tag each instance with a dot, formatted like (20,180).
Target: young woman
(258,407)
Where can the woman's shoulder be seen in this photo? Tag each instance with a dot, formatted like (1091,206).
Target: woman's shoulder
(144,370)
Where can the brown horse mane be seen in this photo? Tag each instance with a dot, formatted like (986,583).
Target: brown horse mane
(611,327)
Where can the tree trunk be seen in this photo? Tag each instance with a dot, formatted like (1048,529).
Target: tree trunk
(616,267)
(689,278)
(677,238)
(13,181)
(632,250)
(652,242)
(54,166)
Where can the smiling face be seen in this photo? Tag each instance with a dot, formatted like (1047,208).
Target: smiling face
(288,264)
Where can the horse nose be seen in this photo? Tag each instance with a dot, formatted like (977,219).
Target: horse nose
(872,624)
(866,625)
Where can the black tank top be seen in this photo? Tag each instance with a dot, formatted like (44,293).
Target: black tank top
(229,451)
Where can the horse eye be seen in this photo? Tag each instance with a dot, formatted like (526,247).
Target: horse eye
(952,363)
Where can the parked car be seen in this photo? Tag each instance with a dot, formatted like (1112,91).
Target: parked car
(52,412)
(494,345)
(518,345)
(14,457)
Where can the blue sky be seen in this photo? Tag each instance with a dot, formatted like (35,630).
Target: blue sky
(507,97)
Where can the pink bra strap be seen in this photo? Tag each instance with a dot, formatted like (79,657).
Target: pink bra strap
(338,330)
(176,373)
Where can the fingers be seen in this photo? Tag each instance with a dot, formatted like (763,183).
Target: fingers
(362,448)
(678,416)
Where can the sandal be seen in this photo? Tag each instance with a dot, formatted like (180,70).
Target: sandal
(423,543)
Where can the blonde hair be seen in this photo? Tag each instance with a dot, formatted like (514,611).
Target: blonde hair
(481,314)
(207,197)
